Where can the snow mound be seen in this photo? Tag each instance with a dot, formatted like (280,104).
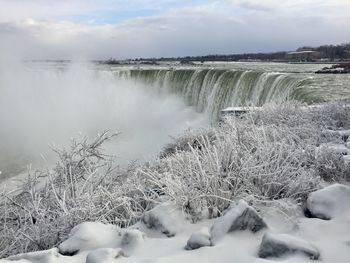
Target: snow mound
(163,218)
(94,235)
(331,238)
(330,202)
(278,245)
(14,261)
(45,256)
(240,217)
(199,239)
(91,235)
(104,255)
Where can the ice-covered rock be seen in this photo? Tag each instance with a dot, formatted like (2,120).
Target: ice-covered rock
(240,217)
(278,245)
(199,239)
(105,255)
(45,256)
(91,235)
(94,235)
(163,218)
(329,202)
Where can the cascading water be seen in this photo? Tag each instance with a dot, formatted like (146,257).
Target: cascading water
(210,90)
(51,102)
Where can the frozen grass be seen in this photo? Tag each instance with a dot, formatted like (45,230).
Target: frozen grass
(245,159)
(82,187)
(263,156)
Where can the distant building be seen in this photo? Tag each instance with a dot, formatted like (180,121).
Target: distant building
(306,55)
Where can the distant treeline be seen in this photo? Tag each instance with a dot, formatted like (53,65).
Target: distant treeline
(324,52)
(232,57)
(331,52)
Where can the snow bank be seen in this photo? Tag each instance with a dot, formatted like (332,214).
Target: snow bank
(329,238)
(330,202)
(104,255)
(91,235)
(46,256)
(94,235)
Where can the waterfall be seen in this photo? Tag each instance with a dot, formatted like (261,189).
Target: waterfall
(210,90)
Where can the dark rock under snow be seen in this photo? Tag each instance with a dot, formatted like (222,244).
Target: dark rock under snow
(278,245)
(329,202)
(199,239)
(160,219)
(240,217)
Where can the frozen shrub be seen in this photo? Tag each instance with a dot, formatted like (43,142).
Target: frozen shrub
(244,159)
(334,115)
(83,186)
(332,167)
(263,156)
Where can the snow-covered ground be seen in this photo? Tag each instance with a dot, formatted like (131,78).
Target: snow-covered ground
(273,177)
(241,235)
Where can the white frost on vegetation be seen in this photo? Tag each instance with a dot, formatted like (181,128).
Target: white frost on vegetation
(264,158)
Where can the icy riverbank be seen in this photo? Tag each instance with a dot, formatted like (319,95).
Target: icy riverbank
(185,206)
(291,238)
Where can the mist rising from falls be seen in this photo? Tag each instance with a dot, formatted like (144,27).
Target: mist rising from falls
(40,106)
(210,90)
(47,104)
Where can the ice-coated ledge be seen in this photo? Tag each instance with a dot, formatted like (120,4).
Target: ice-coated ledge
(237,111)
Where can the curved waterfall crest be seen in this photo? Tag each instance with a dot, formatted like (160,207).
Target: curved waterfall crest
(210,90)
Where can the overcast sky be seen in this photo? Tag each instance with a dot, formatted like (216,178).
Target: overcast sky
(68,29)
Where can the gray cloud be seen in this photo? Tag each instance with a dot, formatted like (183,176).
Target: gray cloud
(215,27)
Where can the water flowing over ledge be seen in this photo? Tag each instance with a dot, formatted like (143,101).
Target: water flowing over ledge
(210,90)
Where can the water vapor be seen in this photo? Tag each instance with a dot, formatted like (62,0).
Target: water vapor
(42,104)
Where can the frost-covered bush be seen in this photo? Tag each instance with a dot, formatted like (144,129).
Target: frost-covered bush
(331,166)
(83,186)
(333,115)
(267,162)
(267,154)
(261,157)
